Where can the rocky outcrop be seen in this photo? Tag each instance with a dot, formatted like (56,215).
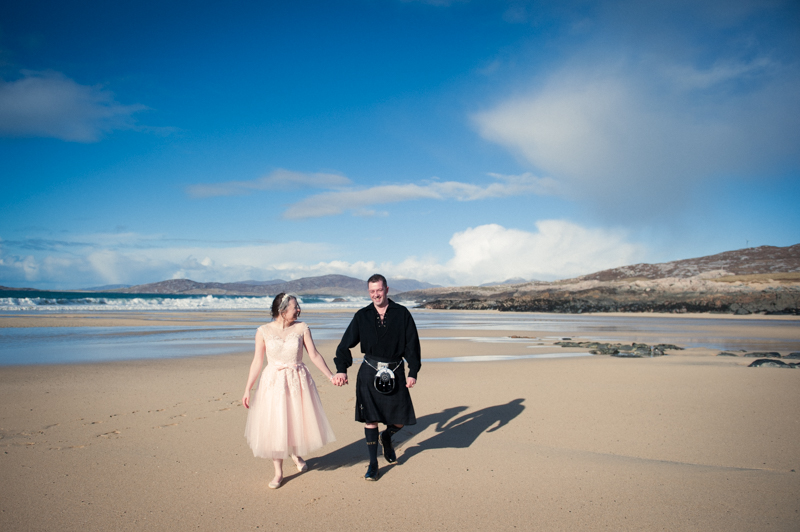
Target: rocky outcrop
(780,300)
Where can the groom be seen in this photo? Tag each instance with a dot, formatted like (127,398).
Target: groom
(387,334)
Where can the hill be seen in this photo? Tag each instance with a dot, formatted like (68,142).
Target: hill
(761,260)
(754,280)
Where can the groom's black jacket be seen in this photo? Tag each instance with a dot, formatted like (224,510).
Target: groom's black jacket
(398,340)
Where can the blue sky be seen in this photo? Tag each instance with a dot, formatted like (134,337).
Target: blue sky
(454,142)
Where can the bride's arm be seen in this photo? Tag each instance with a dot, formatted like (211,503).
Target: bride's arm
(315,356)
(255,368)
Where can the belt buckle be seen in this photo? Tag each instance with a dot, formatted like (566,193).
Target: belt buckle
(383,365)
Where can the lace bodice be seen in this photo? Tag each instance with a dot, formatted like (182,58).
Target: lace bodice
(284,347)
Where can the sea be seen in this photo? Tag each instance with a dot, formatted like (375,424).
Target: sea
(27,301)
(328,317)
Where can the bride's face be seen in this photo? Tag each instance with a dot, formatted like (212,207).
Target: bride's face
(291,313)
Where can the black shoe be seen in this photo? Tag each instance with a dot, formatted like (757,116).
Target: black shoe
(372,473)
(388,450)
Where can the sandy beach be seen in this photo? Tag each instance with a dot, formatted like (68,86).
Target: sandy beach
(689,441)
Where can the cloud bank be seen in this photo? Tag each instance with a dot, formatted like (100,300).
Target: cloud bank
(487,253)
(609,131)
(48,104)
(655,98)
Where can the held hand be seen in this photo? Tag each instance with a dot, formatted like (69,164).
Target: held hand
(340,379)
(410,382)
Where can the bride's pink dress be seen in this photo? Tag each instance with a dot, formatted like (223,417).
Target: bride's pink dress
(286,415)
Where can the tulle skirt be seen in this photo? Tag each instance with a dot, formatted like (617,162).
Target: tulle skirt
(286,415)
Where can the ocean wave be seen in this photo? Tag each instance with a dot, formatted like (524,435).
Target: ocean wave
(106,303)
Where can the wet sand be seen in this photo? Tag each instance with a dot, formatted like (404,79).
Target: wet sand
(690,441)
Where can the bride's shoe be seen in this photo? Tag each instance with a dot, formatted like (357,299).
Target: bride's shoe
(275,485)
(301,465)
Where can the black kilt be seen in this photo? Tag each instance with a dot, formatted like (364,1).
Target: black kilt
(372,406)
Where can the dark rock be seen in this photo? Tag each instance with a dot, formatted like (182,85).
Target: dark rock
(635,350)
(670,347)
(726,354)
(763,354)
(605,349)
(770,363)
(570,344)
(796,354)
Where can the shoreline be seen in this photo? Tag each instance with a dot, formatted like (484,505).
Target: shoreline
(144,318)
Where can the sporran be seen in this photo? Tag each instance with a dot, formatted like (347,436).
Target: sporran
(384,379)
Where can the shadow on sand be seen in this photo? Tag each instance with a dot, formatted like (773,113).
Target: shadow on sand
(451,432)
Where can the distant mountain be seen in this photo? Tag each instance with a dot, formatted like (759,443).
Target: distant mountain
(328,285)
(515,280)
(262,283)
(749,261)
(10,289)
(189,287)
(105,287)
(397,286)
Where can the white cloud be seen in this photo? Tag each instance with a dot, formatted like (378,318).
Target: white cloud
(48,104)
(333,203)
(279,179)
(491,253)
(558,250)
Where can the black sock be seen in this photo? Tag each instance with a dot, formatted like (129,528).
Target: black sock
(372,445)
(392,430)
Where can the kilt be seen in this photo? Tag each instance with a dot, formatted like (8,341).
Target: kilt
(374,407)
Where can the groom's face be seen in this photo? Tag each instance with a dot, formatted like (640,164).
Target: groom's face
(378,293)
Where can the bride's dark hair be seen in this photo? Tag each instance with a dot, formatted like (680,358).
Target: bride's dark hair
(280,303)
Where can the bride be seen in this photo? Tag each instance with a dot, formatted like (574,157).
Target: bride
(285,415)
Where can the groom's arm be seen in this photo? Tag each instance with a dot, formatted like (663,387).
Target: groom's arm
(351,338)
